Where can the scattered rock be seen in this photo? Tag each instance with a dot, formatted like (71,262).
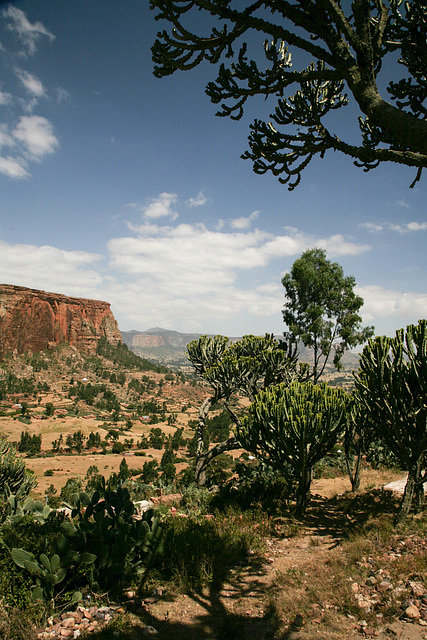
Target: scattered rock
(412,612)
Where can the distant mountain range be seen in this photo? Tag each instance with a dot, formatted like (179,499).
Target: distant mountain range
(169,347)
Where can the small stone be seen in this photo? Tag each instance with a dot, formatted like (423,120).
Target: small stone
(412,612)
(298,622)
(66,633)
(69,622)
(417,589)
(149,631)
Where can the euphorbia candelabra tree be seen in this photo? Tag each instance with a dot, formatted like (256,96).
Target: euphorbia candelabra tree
(392,385)
(297,426)
(246,367)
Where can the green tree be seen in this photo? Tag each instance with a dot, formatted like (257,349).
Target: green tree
(296,426)
(49,409)
(322,310)
(348,44)
(392,385)
(246,367)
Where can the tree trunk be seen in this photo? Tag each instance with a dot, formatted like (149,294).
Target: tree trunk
(419,498)
(303,491)
(353,470)
(408,495)
(203,459)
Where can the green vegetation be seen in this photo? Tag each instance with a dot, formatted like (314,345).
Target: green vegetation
(392,385)
(322,310)
(246,367)
(295,427)
(199,538)
(29,444)
(121,355)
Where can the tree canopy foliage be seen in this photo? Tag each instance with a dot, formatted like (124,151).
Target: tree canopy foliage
(348,44)
(321,309)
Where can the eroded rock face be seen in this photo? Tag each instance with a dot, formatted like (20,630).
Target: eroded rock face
(32,320)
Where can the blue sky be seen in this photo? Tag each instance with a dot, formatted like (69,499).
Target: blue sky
(119,186)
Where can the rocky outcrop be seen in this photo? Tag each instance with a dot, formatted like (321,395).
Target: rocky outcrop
(33,320)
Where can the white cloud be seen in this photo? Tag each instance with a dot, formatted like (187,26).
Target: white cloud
(337,246)
(31,83)
(12,168)
(383,303)
(29,33)
(417,226)
(198,201)
(191,275)
(5,98)
(372,227)
(35,134)
(399,228)
(244,223)
(49,268)
(160,207)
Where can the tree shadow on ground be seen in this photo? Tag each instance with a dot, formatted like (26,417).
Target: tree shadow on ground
(344,515)
(215,613)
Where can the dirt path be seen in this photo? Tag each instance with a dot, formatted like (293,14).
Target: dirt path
(246,606)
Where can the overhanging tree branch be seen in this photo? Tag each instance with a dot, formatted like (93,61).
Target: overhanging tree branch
(348,49)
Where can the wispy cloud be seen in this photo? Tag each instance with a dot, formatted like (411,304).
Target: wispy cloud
(31,83)
(34,88)
(402,203)
(29,33)
(408,227)
(5,98)
(372,227)
(199,201)
(244,223)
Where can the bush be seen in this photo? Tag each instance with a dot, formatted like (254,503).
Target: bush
(258,486)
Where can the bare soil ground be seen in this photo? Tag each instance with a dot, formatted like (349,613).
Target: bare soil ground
(253,603)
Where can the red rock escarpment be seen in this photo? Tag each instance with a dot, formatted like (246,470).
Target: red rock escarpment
(32,320)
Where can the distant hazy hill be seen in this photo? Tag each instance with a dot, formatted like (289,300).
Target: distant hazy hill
(169,347)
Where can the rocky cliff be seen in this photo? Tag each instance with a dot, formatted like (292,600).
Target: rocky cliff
(33,320)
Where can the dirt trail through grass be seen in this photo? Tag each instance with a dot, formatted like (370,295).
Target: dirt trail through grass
(300,588)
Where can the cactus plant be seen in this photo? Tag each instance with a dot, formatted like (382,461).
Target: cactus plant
(296,425)
(13,472)
(48,573)
(392,384)
(103,524)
